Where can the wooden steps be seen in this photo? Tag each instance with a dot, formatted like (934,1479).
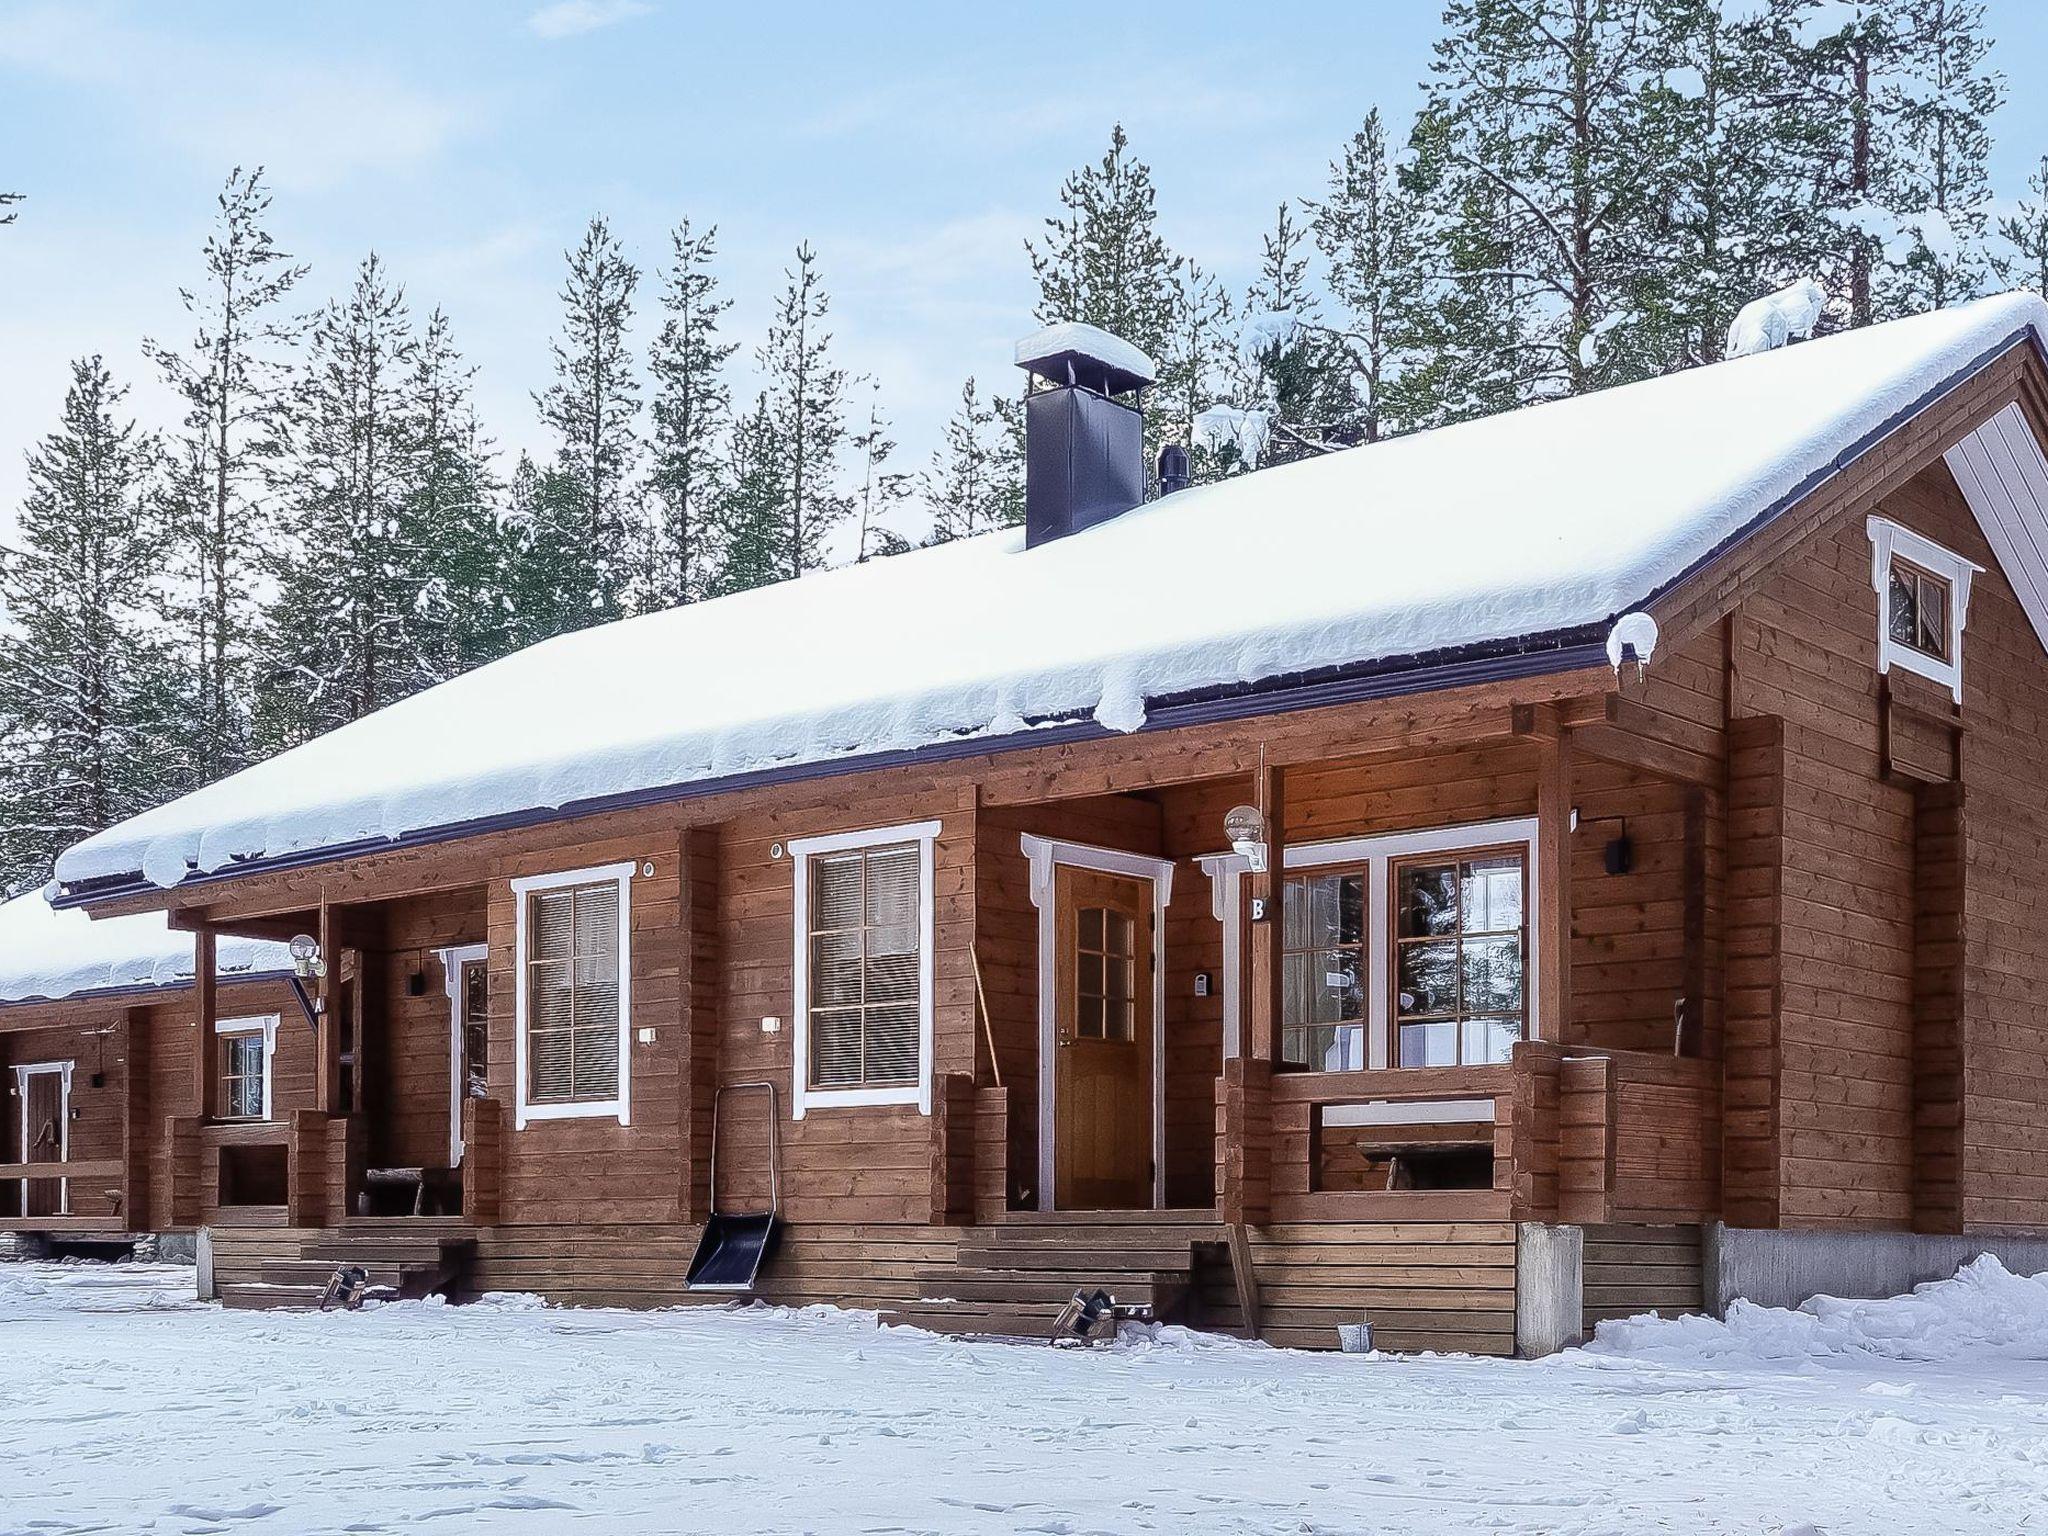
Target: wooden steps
(1011,1279)
(290,1273)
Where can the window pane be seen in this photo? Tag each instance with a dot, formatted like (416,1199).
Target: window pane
(892,888)
(1904,617)
(1116,980)
(1118,1020)
(594,1057)
(892,978)
(1429,1045)
(1490,1040)
(1294,903)
(836,970)
(550,920)
(1092,927)
(1294,972)
(1294,1047)
(836,1047)
(836,891)
(1933,617)
(1339,1049)
(1088,974)
(1428,979)
(1493,894)
(892,1045)
(1428,900)
(1334,991)
(596,919)
(1493,975)
(547,1064)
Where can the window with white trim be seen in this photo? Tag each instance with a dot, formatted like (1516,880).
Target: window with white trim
(1923,600)
(863,971)
(246,1050)
(573,994)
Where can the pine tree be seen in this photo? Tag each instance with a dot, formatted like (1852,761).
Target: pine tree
(965,486)
(2023,260)
(592,406)
(341,635)
(806,398)
(882,490)
(691,409)
(1365,229)
(1529,156)
(1195,367)
(1102,261)
(86,685)
(451,514)
(234,379)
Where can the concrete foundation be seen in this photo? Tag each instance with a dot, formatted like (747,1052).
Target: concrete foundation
(202,1256)
(1782,1269)
(1550,1288)
(174,1247)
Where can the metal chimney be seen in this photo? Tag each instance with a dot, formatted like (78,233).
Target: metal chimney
(1084,447)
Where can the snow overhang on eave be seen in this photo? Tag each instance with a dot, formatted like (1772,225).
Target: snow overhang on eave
(128,989)
(1539,655)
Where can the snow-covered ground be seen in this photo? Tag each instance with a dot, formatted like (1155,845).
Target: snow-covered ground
(124,1406)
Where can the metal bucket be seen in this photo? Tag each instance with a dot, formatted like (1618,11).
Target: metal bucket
(1354,1338)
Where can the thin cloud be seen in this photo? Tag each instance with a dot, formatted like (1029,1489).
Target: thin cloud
(572,18)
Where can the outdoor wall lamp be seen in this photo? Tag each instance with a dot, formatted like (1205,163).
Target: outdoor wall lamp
(1245,826)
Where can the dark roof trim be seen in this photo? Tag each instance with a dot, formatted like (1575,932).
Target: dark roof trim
(139,989)
(1532,656)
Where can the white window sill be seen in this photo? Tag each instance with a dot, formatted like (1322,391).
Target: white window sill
(859,1098)
(600,1109)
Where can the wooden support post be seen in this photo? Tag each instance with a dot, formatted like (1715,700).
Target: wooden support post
(135,1119)
(206,1015)
(1263,1035)
(327,1070)
(1553,877)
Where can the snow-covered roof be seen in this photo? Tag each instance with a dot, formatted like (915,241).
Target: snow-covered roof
(1545,521)
(47,954)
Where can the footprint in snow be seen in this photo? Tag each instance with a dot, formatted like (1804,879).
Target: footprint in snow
(217,1516)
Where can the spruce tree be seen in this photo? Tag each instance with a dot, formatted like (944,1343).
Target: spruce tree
(341,634)
(806,398)
(86,684)
(234,380)
(2022,260)
(1365,229)
(548,589)
(755,518)
(882,490)
(1195,371)
(592,407)
(692,406)
(451,514)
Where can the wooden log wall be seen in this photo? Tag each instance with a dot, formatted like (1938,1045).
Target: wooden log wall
(1632,1269)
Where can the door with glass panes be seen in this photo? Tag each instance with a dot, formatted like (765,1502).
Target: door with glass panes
(1102,1028)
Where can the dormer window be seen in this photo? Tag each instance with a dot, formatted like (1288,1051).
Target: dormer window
(1923,594)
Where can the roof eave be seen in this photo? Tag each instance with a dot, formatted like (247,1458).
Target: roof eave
(1537,655)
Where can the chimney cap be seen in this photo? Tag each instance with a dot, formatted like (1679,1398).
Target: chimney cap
(1074,353)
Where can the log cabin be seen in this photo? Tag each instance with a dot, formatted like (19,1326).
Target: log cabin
(1576,862)
(99,1045)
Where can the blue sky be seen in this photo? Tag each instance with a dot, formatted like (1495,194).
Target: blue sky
(915,145)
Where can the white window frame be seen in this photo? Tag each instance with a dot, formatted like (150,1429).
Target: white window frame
(803,1098)
(1889,540)
(1047,855)
(523,1113)
(264,1024)
(453,962)
(1376,854)
(22,1073)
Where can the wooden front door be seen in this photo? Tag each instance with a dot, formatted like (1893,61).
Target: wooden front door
(1102,1032)
(42,1140)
